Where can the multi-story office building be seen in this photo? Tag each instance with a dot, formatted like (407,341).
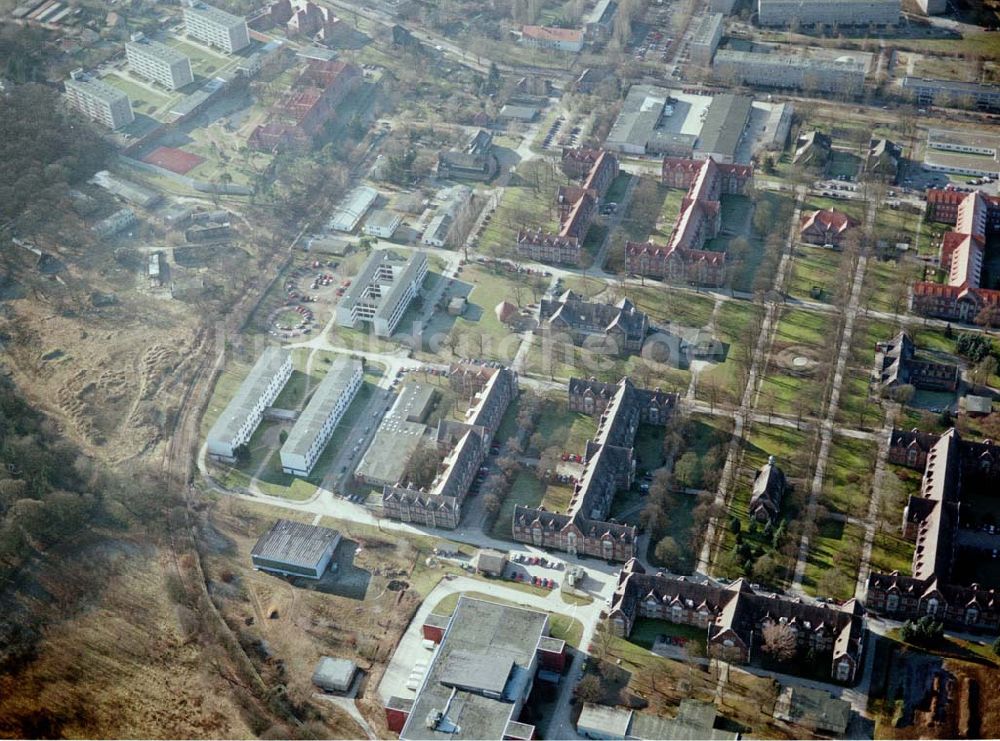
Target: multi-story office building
(953,93)
(707,34)
(835,13)
(382,290)
(98,100)
(216,27)
(315,425)
(158,62)
(239,420)
(790,71)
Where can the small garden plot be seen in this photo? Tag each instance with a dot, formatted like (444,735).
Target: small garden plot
(816,273)
(847,479)
(833,560)
(795,383)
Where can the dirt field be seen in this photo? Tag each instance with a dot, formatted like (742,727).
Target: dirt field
(111,377)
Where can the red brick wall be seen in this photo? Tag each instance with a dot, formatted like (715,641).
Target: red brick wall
(433,633)
(552,661)
(395,719)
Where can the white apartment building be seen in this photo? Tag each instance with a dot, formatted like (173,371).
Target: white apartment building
(835,13)
(352,209)
(789,71)
(382,291)
(706,38)
(242,415)
(216,27)
(158,62)
(315,426)
(450,224)
(98,100)
(383,223)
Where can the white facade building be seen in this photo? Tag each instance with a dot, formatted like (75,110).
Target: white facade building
(844,75)
(99,101)
(352,209)
(312,431)
(835,13)
(216,27)
(383,223)
(239,420)
(451,220)
(158,62)
(382,291)
(706,38)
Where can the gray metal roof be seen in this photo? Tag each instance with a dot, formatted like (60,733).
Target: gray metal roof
(789,60)
(295,543)
(252,388)
(323,400)
(382,218)
(607,720)
(640,114)
(707,27)
(398,436)
(215,15)
(336,674)
(155,49)
(724,123)
(480,633)
(953,86)
(96,88)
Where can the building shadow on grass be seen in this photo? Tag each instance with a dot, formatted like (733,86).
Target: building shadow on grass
(342,578)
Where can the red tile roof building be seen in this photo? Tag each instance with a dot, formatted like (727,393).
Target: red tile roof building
(309,104)
(682,259)
(826,226)
(577,205)
(976,217)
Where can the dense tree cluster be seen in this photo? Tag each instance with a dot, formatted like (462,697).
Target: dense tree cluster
(41,163)
(50,492)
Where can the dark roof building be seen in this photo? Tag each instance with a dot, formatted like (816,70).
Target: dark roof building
(734,616)
(621,325)
(897,365)
(943,581)
(769,486)
(295,549)
(812,148)
(609,466)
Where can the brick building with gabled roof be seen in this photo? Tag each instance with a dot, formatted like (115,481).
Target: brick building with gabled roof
(465,445)
(825,226)
(683,258)
(896,365)
(955,468)
(621,324)
(976,217)
(577,206)
(734,616)
(769,486)
(609,466)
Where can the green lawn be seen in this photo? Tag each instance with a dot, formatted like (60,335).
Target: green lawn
(727,378)
(847,480)
(854,209)
(557,497)
(816,273)
(525,490)
(645,632)
(832,563)
(529,201)
(666,304)
(786,390)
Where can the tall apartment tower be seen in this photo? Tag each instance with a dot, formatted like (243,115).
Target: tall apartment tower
(158,62)
(98,100)
(216,27)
